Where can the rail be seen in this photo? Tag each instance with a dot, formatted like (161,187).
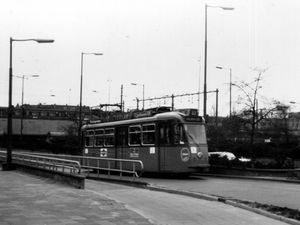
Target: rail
(110,165)
(45,162)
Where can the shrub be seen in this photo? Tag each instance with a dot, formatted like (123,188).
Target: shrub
(263,155)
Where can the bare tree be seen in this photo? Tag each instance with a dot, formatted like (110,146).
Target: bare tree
(250,112)
(280,120)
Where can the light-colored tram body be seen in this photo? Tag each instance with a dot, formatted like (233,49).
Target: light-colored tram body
(167,142)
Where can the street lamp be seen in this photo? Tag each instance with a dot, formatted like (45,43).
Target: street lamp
(205,55)
(80,106)
(230,84)
(8,165)
(143,93)
(22,116)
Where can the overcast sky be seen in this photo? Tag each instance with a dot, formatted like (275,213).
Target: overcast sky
(155,43)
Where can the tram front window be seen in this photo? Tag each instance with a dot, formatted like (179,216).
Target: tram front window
(196,133)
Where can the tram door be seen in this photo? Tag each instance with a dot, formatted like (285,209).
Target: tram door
(165,140)
(121,134)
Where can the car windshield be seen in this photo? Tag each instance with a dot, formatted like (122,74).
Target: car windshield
(196,133)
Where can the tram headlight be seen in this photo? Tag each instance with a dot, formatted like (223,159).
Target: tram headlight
(200,155)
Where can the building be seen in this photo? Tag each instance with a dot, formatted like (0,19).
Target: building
(42,119)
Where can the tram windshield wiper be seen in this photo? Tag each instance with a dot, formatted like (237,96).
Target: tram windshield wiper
(194,139)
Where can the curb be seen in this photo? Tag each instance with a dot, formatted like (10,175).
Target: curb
(139,184)
(262,212)
(248,177)
(181,192)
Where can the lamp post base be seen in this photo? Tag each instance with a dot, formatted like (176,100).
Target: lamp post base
(8,166)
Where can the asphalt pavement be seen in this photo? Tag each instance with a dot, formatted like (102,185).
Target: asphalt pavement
(28,199)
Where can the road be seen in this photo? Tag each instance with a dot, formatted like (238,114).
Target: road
(30,199)
(267,192)
(165,208)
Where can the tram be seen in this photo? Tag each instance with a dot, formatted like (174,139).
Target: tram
(165,141)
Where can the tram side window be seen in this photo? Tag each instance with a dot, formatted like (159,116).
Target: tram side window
(168,134)
(179,134)
(148,134)
(134,135)
(165,134)
(99,137)
(109,137)
(89,138)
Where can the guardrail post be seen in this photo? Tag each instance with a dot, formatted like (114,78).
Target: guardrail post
(88,165)
(108,168)
(133,174)
(121,168)
(98,167)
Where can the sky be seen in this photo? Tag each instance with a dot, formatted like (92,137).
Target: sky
(157,44)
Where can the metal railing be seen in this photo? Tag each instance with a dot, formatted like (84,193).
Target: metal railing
(113,165)
(2,155)
(110,165)
(106,164)
(51,163)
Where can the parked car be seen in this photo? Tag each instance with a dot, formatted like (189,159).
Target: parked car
(228,155)
(242,159)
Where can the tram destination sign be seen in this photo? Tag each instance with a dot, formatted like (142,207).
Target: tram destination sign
(193,119)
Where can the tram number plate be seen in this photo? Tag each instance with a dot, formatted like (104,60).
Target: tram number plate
(134,152)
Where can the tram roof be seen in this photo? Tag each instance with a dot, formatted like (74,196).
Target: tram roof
(180,114)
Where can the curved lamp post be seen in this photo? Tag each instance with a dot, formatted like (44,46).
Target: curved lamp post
(205,55)
(143,93)
(22,116)
(80,105)
(230,84)
(10,112)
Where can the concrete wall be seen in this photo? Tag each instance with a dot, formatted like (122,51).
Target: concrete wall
(75,180)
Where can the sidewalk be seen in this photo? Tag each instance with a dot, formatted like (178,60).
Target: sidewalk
(30,200)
